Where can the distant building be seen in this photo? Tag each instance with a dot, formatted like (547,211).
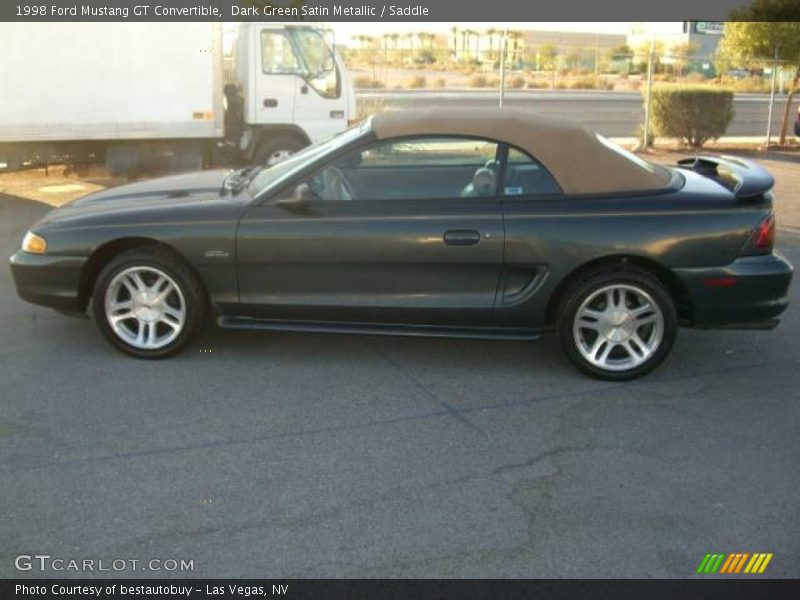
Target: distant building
(703,36)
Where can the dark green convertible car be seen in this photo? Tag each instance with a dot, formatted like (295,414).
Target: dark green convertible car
(483,223)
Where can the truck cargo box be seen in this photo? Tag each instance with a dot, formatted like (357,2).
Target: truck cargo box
(118,81)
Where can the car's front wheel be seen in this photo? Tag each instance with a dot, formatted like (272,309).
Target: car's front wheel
(148,303)
(617,324)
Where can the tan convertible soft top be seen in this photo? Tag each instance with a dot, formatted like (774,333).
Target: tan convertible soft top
(576,157)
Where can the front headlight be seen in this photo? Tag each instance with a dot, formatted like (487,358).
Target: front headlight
(35,244)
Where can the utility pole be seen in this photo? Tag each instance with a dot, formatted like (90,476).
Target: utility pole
(650,66)
(503,67)
(772,96)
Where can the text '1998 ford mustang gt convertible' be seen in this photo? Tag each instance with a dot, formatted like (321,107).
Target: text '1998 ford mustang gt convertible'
(483,223)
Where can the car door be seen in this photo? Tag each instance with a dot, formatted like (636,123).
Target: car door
(534,219)
(396,233)
(277,76)
(319,105)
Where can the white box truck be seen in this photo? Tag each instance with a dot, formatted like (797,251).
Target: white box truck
(144,95)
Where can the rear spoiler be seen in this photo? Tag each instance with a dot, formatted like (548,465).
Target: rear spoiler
(743,177)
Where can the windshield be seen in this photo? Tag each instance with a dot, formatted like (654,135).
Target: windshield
(269,177)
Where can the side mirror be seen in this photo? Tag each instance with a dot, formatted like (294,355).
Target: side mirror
(300,199)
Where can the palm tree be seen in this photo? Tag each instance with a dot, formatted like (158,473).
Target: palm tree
(454,31)
(491,33)
(515,36)
(410,38)
(394,37)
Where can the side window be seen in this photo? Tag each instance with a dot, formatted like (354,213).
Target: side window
(277,54)
(421,168)
(321,71)
(527,177)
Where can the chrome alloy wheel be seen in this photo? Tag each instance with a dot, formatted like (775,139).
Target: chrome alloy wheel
(618,327)
(145,307)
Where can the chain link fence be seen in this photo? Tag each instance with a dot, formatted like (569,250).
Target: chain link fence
(509,67)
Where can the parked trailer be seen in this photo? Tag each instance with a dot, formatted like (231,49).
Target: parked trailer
(143,96)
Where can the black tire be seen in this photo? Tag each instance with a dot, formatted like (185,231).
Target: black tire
(583,288)
(274,145)
(167,262)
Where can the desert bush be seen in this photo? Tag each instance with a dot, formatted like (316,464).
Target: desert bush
(692,114)
(440,82)
(560,85)
(590,83)
(478,81)
(417,82)
(367,83)
(517,82)
(696,78)
(751,85)
(537,84)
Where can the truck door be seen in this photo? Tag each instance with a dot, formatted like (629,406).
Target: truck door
(277,74)
(320,99)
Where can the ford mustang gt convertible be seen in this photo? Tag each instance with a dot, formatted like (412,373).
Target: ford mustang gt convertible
(481,223)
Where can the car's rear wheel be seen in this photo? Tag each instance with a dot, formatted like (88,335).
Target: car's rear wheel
(148,303)
(617,324)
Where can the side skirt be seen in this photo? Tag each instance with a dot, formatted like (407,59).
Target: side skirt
(482,333)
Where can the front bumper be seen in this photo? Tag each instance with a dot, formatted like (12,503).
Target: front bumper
(52,281)
(750,290)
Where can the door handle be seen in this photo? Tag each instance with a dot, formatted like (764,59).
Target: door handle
(270,102)
(461,237)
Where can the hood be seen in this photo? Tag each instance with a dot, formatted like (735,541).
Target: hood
(142,197)
(163,189)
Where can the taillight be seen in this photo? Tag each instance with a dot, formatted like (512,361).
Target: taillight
(762,240)
(765,235)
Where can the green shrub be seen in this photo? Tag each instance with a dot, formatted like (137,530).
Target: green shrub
(692,114)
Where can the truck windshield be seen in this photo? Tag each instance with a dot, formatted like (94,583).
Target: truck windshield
(270,177)
(317,58)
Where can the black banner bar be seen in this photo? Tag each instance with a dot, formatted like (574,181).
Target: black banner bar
(377,589)
(366,10)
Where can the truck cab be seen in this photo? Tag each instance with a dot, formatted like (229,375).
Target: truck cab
(293,89)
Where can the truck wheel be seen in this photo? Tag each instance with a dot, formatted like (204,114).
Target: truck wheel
(617,324)
(148,303)
(276,149)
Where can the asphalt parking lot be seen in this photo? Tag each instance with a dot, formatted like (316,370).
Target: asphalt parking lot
(296,455)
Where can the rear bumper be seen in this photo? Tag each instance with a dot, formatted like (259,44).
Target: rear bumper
(751,290)
(52,281)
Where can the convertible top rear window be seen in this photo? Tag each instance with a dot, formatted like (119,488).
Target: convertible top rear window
(636,160)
